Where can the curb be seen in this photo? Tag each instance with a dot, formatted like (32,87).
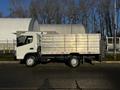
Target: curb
(9,62)
(107,62)
(95,62)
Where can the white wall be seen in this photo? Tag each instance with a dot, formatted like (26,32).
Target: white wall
(62,28)
(8,26)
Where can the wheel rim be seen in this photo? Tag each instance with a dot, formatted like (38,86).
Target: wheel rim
(30,62)
(74,62)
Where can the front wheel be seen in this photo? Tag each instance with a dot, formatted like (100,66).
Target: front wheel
(30,61)
(74,62)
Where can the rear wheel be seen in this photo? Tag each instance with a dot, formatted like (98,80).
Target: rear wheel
(30,61)
(74,62)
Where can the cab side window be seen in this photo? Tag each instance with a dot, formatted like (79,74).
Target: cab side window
(23,40)
(29,39)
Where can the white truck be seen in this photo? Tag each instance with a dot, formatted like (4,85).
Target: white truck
(38,47)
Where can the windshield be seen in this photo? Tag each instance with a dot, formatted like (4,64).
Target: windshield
(23,40)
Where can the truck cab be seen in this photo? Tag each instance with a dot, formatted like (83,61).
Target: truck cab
(27,43)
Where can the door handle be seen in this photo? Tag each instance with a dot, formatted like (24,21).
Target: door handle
(31,48)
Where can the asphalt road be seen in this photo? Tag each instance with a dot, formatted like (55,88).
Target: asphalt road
(56,76)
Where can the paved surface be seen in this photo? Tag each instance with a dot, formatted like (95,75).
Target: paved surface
(95,62)
(60,77)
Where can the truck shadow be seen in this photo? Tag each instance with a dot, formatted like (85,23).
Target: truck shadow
(86,60)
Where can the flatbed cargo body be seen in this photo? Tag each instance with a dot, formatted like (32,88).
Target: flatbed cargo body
(70,43)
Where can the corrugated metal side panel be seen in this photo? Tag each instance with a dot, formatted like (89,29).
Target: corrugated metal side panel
(82,43)
(71,43)
(93,43)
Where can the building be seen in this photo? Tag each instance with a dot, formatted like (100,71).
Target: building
(110,44)
(9,26)
(58,28)
(63,29)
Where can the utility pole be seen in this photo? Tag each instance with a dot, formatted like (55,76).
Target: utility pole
(115,27)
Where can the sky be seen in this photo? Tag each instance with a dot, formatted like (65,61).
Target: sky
(5,6)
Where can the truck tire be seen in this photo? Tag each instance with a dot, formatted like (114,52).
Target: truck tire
(30,61)
(74,61)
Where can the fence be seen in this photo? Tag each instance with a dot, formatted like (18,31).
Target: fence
(7,46)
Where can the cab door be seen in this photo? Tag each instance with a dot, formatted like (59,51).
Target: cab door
(25,44)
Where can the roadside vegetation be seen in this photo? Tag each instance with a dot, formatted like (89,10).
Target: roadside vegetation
(11,57)
(110,57)
(7,57)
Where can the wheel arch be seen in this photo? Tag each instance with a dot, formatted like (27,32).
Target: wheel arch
(74,54)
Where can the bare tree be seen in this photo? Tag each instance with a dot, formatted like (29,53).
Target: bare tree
(18,9)
(85,8)
(107,16)
(95,15)
(1,15)
(47,11)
